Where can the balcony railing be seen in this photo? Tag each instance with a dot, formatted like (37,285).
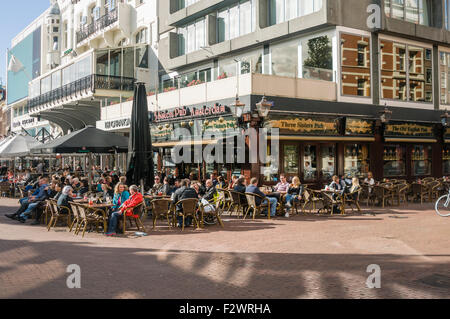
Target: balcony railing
(84,85)
(103,22)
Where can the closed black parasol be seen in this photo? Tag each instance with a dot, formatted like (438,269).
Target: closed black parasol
(140,154)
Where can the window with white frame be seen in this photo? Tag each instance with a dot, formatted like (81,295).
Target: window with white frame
(444,69)
(236,21)
(192,37)
(415,11)
(404,72)
(284,10)
(141,36)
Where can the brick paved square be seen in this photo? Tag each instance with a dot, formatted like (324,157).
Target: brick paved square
(304,256)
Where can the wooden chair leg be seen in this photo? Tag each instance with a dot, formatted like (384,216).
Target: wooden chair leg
(49,226)
(182,226)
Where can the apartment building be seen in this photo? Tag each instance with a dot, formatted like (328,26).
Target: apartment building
(329,72)
(80,56)
(329,68)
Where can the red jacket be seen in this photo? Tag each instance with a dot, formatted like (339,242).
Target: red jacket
(131,203)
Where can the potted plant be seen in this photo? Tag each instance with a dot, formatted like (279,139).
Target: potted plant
(222,76)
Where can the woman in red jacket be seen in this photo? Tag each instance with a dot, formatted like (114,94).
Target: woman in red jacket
(127,207)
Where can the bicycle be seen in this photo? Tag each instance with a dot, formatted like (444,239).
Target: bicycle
(442,206)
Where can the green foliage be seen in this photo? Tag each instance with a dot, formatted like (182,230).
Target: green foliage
(320,53)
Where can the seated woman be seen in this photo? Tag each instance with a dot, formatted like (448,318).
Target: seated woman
(121,195)
(127,207)
(355,188)
(65,197)
(294,193)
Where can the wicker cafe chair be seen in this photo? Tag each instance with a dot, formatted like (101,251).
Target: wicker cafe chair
(251,200)
(214,211)
(330,203)
(224,200)
(401,193)
(434,189)
(86,218)
(310,198)
(367,194)
(352,199)
(58,213)
(5,189)
(383,194)
(161,208)
(420,191)
(137,217)
(428,180)
(239,203)
(189,208)
(76,217)
(47,213)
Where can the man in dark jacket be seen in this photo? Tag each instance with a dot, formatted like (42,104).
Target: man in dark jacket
(36,200)
(184,192)
(253,188)
(210,191)
(39,194)
(240,188)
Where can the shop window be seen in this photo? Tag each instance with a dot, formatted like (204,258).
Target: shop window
(421,160)
(310,163)
(291,156)
(446,159)
(328,156)
(394,159)
(356,160)
(355,65)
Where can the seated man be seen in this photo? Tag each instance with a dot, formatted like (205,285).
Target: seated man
(253,188)
(35,201)
(184,192)
(84,188)
(127,207)
(26,201)
(208,198)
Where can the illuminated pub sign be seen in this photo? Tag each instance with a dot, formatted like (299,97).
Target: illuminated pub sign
(359,127)
(161,132)
(409,130)
(219,125)
(189,112)
(305,126)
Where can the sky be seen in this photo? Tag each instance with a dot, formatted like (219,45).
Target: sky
(14,17)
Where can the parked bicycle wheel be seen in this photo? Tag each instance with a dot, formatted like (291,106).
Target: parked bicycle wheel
(442,206)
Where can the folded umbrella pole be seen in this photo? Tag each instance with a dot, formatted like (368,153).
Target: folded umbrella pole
(140,152)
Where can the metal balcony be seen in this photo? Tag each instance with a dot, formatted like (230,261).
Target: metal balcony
(103,22)
(87,84)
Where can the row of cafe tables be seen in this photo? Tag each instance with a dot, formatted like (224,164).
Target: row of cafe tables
(106,206)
